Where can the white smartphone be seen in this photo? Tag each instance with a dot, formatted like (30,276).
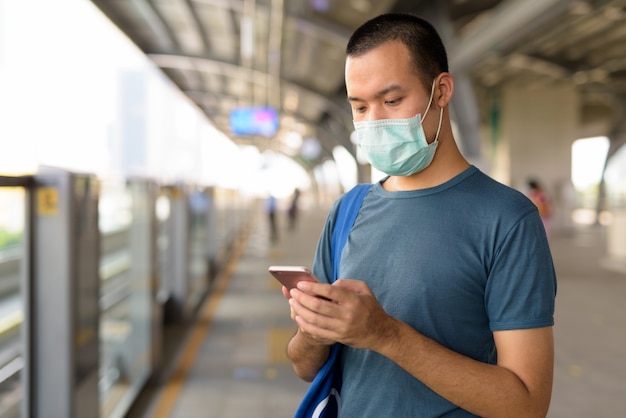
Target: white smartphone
(289,276)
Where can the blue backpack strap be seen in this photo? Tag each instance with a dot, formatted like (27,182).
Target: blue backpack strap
(344,220)
(322,399)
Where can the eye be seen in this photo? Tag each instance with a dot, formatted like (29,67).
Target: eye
(393,102)
(359,109)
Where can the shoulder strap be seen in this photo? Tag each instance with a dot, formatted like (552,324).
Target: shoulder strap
(327,383)
(346,215)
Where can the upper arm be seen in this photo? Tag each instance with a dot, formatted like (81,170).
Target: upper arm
(529,353)
(322,266)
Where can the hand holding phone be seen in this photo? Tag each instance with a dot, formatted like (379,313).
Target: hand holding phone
(289,276)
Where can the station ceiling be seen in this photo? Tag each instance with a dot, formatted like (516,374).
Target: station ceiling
(289,54)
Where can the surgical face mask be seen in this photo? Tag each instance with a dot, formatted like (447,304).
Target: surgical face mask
(398,147)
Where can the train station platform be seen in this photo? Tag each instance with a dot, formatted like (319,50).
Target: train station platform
(230,363)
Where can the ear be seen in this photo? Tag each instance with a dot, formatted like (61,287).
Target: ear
(444,89)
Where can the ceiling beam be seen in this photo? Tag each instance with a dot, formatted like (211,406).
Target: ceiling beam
(183,62)
(508,22)
(160,30)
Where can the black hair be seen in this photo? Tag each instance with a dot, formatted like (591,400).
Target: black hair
(420,37)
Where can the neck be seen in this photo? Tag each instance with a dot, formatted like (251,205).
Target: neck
(447,164)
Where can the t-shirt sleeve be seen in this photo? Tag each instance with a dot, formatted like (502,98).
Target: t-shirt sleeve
(322,263)
(521,286)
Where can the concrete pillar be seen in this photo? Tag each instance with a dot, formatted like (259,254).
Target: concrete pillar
(616,238)
(536,131)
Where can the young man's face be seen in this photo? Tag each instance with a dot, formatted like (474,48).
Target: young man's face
(382,84)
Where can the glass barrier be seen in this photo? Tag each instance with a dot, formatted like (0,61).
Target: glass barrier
(164,262)
(12,262)
(198,256)
(125,327)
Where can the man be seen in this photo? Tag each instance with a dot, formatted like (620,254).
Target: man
(446,298)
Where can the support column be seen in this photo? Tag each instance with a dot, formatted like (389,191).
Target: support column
(65,351)
(537,129)
(177,279)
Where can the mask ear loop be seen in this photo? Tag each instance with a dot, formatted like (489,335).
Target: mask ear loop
(439,127)
(430,101)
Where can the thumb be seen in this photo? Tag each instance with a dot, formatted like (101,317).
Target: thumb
(356,286)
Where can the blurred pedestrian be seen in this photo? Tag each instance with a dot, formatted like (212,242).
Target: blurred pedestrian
(293,209)
(270,207)
(539,197)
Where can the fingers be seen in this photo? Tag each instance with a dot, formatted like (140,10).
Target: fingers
(355,286)
(314,315)
(345,311)
(330,291)
(303,302)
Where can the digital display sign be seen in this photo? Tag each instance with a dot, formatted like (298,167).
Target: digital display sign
(254,121)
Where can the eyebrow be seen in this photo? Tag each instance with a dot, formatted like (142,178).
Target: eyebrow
(380,93)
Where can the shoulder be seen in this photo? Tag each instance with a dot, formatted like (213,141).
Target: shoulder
(355,194)
(498,195)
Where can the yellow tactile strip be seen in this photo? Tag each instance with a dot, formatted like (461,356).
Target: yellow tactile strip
(170,393)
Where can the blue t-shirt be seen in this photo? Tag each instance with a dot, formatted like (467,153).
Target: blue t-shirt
(456,262)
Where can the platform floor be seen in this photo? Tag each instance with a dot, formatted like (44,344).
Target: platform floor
(231,362)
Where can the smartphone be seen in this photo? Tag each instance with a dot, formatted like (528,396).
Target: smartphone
(288,276)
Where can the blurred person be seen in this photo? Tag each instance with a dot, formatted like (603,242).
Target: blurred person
(271,207)
(445,302)
(538,196)
(292,212)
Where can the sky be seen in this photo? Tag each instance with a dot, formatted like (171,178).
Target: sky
(60,105)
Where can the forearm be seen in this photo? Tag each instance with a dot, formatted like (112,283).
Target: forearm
(306,356)
(483,389)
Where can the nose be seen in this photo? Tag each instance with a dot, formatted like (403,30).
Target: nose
(375,113)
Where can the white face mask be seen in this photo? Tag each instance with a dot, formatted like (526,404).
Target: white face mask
(398,147)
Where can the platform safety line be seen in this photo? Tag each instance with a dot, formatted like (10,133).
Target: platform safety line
(170,393)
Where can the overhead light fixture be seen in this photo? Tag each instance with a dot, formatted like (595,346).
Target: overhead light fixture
(363,6)
(247,37)
(614,13)
(311,148)
(580,8)
(321,6)
(291,101)
(293,139)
